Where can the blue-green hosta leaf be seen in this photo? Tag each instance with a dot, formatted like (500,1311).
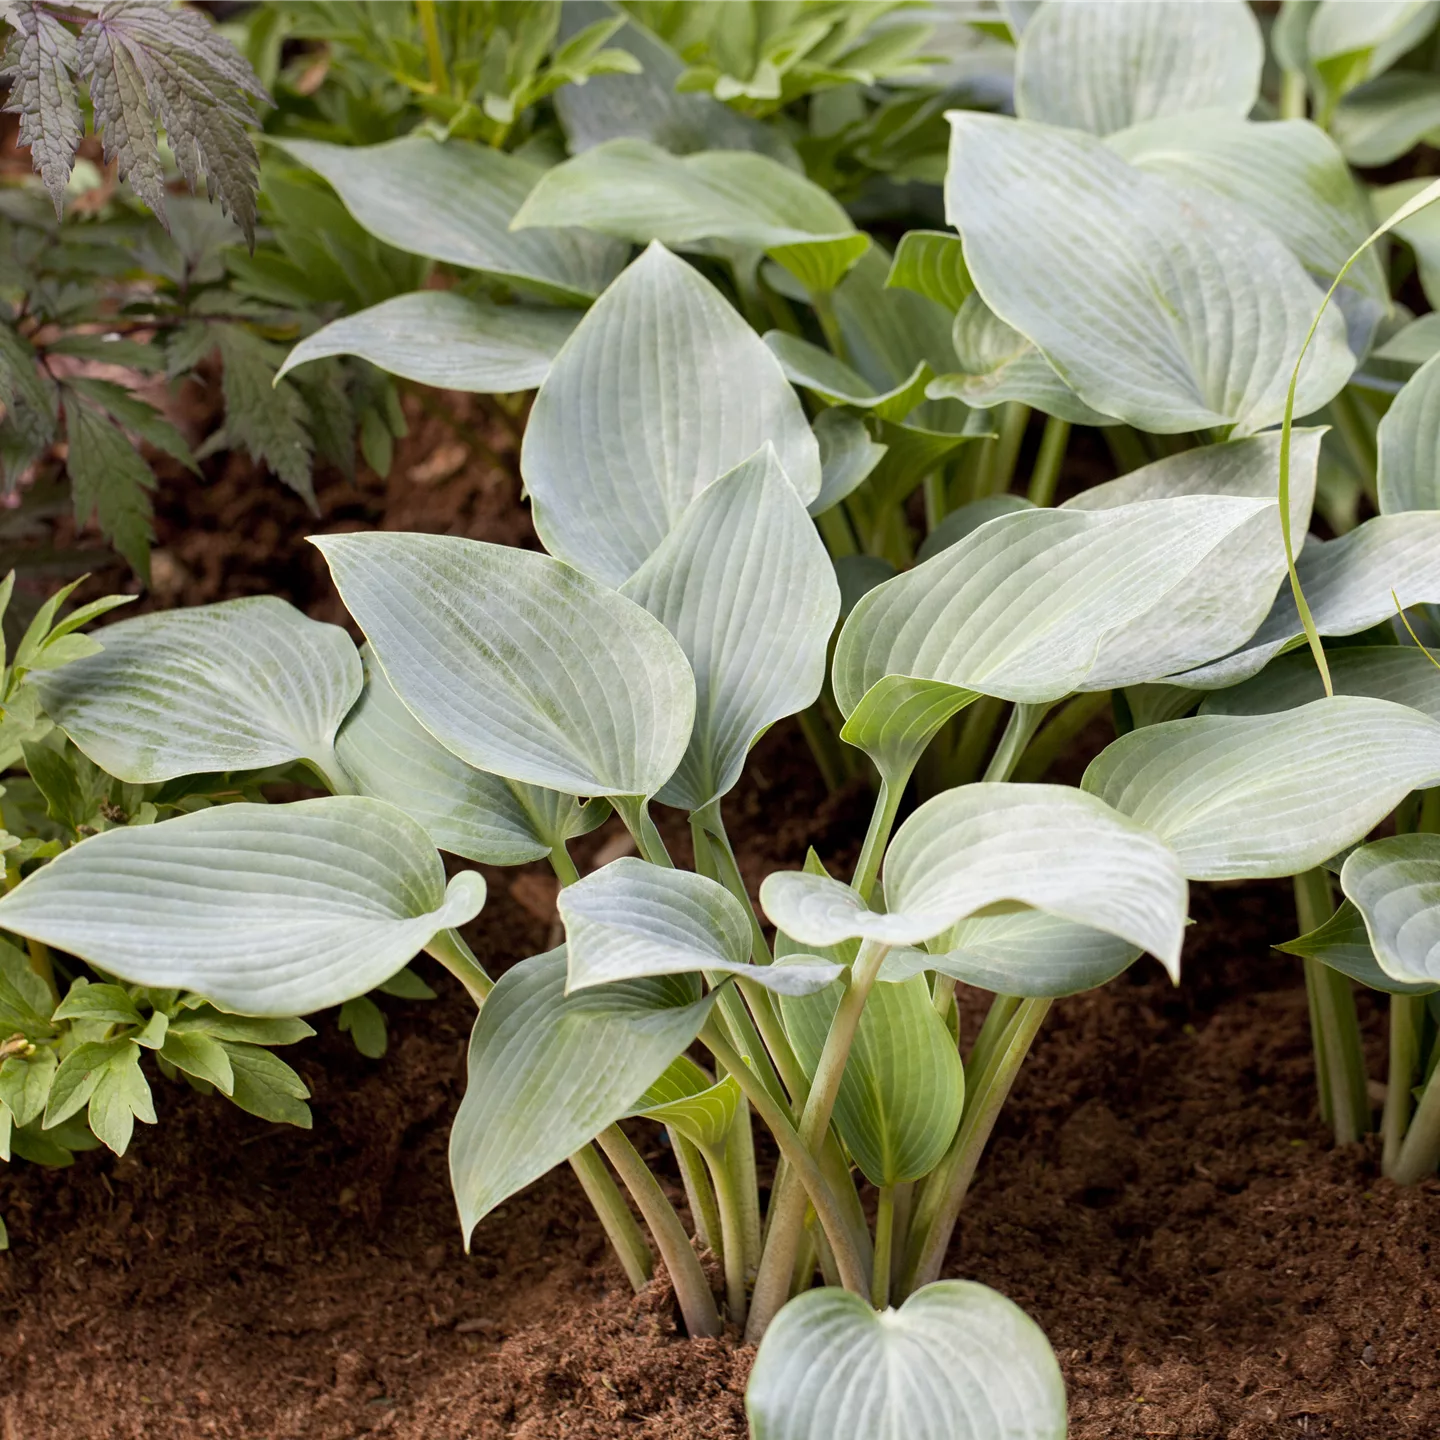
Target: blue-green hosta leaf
(519,664)
(1349,43)
(440,338)
(636,191)
(1409,445)
(389,755)
(743,582)
(1348,584)
(955,1362)
(1343,943)
(1413,343)
(264,909)
(847,457)
(932,264)
(632,920)
(1400,673)
(903,1089)
(1020,608)
(1289,176)
(454,202)
(818,371)
(1165,313)
(1248,796)
(686,1099)
(661,389)
(1420,231)
(994,362)
(1028,953)
(1395,885)
(1379,121)
(1103,67)
(236,686)
(549,1071)
(1046,847)
(1219,604)
(959,523)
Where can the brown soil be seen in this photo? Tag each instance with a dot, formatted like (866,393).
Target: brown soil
(1159,1194)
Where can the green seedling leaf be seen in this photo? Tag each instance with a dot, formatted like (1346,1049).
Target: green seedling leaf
(406,985)
(437,337)
(240,685)
(519,664)
(955,1362)
(266,1086)
(549,1071)
(1028,953)
(121,1097)
(687,1100)
(389,755)
(1343,943)
(454,202)
(79,1073)
(636,191)
(1103,67)
(265,909)
(1379,121)
(1167,315)
(744,584)
(817,370)
(364,1022)
(1395,885)
(1045,847)
(109,1003)
(932,264)
(848,455)
(1020,608)
(1290,177)
(1350,584)
(25,1082)
(200,1055)
(632,920)
(1387,672)
(903,1089)
(1245,797)
(662,389)
(1408,440)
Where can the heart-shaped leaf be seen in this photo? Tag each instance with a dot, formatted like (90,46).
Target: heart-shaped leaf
(264,909)
(1343,943)
(636,191)
(955,1362)
(549,1071)
(389,755)
(1395,885)
(662,389)
(236,686)
(1046,847)
(903,1088)
(519,664)
(1028,953)
(454,202)
(631,920)
(743,582)
(1103,67)
(1348,584)
(1244,797)
(1166,313)
(440,338)
(1400,673)
(1409,442)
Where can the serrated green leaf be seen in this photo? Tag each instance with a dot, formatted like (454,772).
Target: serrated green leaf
(519,664)
(1237,796)
(131,413)
(266,909)
(1343,943)
(454,202)
(40,60)
(266,1086)
(548,1072)
(662,389)
(440,338)
(1215,309)
(955,1362)
(363,1020)
(1103,67)
(109,481)
(240,685)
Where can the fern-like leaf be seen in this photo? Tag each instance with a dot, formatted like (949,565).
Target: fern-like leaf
(109,480)
(40,60)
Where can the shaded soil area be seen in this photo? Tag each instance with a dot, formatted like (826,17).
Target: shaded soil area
(1159,1194)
